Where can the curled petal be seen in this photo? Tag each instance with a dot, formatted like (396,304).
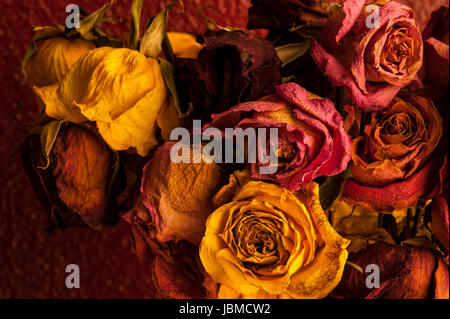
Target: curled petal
(340,23)
(378,96)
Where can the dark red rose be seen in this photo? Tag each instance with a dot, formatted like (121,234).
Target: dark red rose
(405,273)
(435,37)
(232,67)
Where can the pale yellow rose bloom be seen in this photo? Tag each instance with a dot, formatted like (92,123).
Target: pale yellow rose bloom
(122,91)
(268,242)
(184,45)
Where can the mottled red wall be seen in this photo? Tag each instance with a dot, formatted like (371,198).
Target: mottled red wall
(32,263)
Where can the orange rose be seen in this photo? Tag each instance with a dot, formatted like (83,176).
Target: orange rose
(74,189)
(267,242)
(392,163)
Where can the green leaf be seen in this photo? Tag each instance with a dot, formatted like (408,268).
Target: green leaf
(151,44)
(133,39)
(330,190)
(168,73)
(91,21)
(48,137)
(291,52)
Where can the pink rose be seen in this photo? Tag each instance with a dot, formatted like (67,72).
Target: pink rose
(311,136)
(373,63)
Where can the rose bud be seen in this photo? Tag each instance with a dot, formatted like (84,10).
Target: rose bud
(284,14)
(232,67)
(405,273)
(53,58)
(372,61)
(184,45)
(122,91)
(311,138)
(435,37)
(74,189)
(392,161)
(267,242)
(176,197)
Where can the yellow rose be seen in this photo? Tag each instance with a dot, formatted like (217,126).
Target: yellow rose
(122,91)
(268,242)
(53,58)
(184,45)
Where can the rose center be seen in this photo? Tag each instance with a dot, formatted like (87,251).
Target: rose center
(286,152)
(261,242)
(398,49)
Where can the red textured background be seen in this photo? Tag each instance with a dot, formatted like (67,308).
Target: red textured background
(32,262)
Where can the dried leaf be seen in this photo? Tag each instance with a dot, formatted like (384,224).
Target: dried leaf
(167,71)
(210,23)
(133,39)
(48,137)
(151,43)
(90,22)
(292,51)
(331,188)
